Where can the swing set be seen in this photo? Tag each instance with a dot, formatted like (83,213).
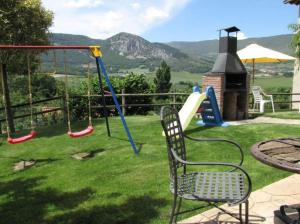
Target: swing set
(97,54)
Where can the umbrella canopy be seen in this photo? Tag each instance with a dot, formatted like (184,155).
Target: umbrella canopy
(258,54)
(255,53)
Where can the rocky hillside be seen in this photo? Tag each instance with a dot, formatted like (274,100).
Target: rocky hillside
(125,51)
(133,47)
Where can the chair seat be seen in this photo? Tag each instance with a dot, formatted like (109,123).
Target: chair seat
(264,101)
(211,186)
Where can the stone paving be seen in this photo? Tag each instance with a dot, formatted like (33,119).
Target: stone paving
(262,204)
(265,120)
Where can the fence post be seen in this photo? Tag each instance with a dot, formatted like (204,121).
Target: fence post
(123,102)
(291,101)
(174,99)
(64,108)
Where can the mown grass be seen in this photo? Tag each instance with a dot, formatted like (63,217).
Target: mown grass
(115,186)
(286,82)
(284,115)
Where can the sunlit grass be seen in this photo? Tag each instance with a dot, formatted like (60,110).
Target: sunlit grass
(115,186)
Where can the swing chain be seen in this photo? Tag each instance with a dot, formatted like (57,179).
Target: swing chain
(89,94)
(30,91)
(4,101)
(54,63)
(66,92)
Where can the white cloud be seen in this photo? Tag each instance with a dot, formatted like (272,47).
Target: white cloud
(102,19)
(153,14)
(82,3)
(241,36)
(136,5)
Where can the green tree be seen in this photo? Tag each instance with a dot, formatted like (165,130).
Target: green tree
(162,80)
(43,86)
(295,42)
(22,22)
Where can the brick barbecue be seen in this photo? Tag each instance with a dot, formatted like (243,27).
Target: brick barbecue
(229,79)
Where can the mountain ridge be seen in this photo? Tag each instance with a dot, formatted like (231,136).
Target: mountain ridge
(209,48)
(125,51)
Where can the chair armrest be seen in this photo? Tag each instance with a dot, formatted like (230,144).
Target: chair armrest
(271,96)
(235,167)
(220,140)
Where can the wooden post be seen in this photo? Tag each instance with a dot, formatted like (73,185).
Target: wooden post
(10,118)
(123,102)
(174,99)
(64,107)
(291,101)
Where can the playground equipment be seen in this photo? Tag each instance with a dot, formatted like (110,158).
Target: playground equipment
(32,133)
(89,129)
(206,104)
(209,110)
(97,54)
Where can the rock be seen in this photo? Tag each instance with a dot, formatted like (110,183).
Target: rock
(82,155)
(24,165)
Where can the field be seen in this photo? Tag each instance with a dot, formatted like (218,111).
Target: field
(114,186)
(179,77)
(274,82)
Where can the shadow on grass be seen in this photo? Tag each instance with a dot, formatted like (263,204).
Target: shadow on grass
(26,203)
(198,130)
(136,210)
(23,201)
(138,144)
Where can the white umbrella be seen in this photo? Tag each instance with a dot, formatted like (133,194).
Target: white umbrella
(255,53)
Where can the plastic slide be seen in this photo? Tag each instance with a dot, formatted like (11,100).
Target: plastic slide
(190,107)
(210,112)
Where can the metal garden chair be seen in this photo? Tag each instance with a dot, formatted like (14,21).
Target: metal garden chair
(232,186)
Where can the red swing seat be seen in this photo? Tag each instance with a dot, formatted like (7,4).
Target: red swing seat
(82,133)
(25,138)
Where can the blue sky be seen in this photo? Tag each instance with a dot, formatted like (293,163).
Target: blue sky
(171,20)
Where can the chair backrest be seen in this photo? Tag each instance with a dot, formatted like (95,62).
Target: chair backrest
(174,137)
(256,94)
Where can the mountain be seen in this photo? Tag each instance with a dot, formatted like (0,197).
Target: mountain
(209,48)
(125,51)
(134,47)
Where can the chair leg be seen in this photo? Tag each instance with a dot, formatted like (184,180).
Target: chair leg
(247,212)
(178,209)
(241,213)
(172,218)
(273,106)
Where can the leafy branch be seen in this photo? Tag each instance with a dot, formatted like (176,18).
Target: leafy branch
(295,42)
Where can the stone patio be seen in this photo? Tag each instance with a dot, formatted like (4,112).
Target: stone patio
(265,120)
(262,204)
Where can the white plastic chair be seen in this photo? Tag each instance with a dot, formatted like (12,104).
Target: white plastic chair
(258,94)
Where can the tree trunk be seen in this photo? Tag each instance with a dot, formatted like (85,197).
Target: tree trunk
(10,118)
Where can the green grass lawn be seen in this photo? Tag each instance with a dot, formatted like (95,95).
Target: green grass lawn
(274,82)
(115,186)
(284,115)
